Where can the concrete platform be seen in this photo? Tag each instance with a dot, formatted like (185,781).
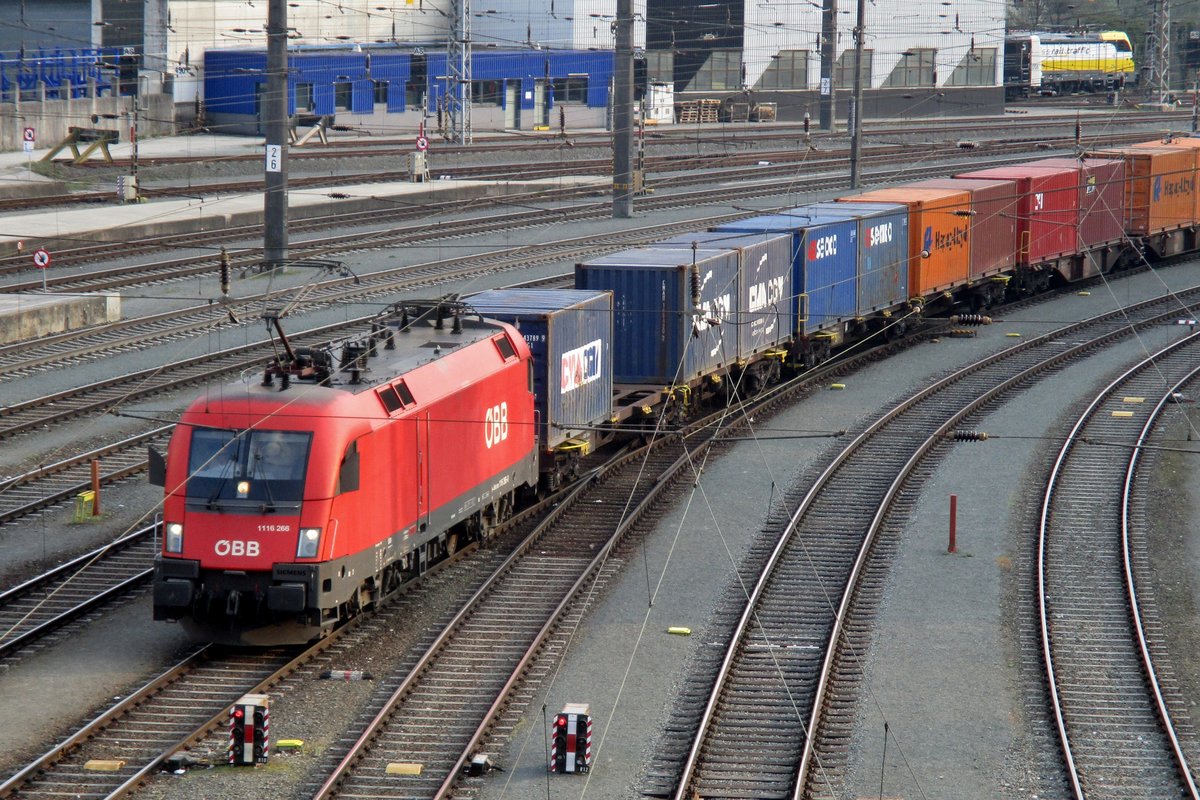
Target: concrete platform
(63,229)
(29,316)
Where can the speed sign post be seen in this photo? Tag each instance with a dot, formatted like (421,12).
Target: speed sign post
(41,260)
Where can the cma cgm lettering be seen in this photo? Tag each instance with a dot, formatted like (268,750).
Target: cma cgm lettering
(944,240)
(765,294)
(581,366)
(715,310)
(1173,187)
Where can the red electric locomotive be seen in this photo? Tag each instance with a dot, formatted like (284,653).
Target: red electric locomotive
(294,501)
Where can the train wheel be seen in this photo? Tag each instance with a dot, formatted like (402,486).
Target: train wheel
(451,544)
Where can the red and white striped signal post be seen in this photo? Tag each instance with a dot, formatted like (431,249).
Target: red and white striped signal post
(571,739)
(250,730)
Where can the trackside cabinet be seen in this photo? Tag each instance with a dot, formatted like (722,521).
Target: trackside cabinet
(571,739)
(250,730)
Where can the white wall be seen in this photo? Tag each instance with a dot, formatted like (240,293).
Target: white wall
(892,26)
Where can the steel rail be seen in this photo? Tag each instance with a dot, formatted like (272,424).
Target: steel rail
(1185,770)
(1047,650)
(688,772)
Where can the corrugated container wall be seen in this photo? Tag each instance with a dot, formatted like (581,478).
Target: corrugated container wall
(939,237)
(824,263)
(1160,186)
(993,225)
(1190,143)
(570,335)
(882,253)
(1101,197)
(1048,209)
(763,313)
(659,335)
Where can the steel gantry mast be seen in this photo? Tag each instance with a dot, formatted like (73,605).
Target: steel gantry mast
(1158,47)
(458,92)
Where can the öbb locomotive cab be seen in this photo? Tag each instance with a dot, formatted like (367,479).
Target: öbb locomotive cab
(294,501)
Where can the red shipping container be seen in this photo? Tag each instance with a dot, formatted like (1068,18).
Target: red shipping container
(1101,198)
(1048,209)
(993,225)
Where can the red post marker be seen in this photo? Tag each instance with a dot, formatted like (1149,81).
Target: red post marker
(95,487)
(953,548)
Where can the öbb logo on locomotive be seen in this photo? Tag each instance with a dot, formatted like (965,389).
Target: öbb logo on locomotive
(236,547)
(495,424)
(354,481)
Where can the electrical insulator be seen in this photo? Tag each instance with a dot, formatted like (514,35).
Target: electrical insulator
(224,273)
(970,319)
(969,436)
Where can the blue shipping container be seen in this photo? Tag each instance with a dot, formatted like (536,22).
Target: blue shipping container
(882,252)
(763,314)
(570,335)
(824,263)
(660,336)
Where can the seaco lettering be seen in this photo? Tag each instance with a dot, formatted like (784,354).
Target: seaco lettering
(581,366)
(945,240)
(822,246)
(879,234)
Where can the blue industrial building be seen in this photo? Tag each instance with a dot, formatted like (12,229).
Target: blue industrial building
(388,86)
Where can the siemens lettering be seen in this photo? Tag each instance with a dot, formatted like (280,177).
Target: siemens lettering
(581,366)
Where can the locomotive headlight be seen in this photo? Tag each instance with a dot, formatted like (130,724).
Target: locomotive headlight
(174,537)
(310,540)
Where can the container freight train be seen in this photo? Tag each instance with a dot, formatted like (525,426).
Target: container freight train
(300,497)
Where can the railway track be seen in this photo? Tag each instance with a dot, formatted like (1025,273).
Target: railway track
(1109,683)
(133,734)
(767,720)
(60,482)
(36,608)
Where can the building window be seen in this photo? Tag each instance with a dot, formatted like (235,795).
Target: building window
(660,66)
(721,72)
(304,97)
(978,68)
(843,70)
(487,93)
(342,94)
(916,67)
(573,89)
(788,70)
(381,92)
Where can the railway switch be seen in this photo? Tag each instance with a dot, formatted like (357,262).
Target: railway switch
(571,739)
(250,730)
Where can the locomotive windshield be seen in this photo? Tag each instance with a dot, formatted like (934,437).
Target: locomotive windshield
(237,468)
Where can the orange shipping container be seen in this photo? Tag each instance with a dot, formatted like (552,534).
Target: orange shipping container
(939,225)
(1160,186)
(1190,143)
